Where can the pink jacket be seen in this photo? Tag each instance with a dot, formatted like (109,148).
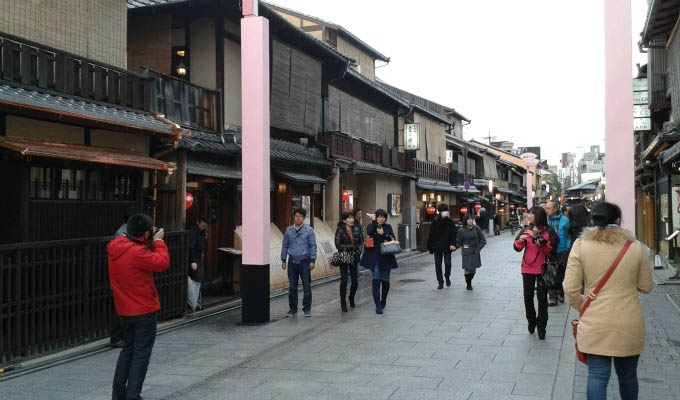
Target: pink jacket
(534,256)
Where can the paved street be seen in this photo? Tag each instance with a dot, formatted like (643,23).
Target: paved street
(429,344)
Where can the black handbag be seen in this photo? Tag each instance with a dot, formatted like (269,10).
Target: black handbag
(550,274)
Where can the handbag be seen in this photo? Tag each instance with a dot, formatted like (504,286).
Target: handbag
(343,258)
(550,274)
(368,242)
(593,295)
(391,247)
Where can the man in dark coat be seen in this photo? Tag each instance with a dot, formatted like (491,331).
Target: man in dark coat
(441,242)
(196,256)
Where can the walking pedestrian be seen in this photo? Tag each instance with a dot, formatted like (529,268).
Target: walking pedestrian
(117,339)
(537,241)
(299,248)
(560,225)
(514,222)
(132,260)
(196,263)
(348,239)
(470,239)
(497,224)
(379,264)
(441,242)
(613,326)
(484,220)
(357,221)
(579,219)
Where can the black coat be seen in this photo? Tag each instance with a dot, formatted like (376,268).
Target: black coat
(196,253)
(343,241)
(372,257)
(442,235)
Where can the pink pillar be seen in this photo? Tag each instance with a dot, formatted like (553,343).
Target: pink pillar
(530,189)
(255,165)
(619,162)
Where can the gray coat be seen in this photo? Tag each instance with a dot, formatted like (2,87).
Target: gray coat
(470,242)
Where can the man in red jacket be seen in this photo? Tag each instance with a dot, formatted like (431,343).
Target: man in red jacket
(133,258)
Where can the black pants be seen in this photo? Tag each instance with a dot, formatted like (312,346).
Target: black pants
(438,255)
(352,271)
(530,282)
(561,259)
(133,361)
(117,334)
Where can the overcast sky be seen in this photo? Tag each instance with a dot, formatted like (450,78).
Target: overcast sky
(528,71)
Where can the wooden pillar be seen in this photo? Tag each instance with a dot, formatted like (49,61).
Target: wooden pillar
(181,189)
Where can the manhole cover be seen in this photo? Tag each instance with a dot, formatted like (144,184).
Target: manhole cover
(411,280)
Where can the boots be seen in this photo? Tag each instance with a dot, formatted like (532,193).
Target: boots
(468,280)
(343,294)
(352,293)
(385,290)
(376,296)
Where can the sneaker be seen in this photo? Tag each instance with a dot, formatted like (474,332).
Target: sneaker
(308,313)
(291,313)
(378,310)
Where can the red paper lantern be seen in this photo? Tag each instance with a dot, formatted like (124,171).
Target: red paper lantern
(502,211)
(512,207)
(345,194)
(463,210)
(431,210)
(478,207)
(189,200)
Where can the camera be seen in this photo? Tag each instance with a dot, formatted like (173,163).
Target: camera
(540,240)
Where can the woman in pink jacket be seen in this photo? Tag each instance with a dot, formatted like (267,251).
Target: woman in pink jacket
(538,241)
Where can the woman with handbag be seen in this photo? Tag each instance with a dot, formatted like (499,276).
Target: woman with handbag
(611,326)
(348,241)
(379,261)
(537,240)
(470,239)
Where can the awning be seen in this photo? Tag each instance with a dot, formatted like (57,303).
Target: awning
(504,190)
(471,190)
(212,170)
(100,155)
(435,186)
(367,168)
(301,178)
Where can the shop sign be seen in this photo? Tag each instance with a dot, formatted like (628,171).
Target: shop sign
(640,97)
(676,207)
(394,204)
(642,124)
(449,156)
(412,136)
(641,111)
(640,85)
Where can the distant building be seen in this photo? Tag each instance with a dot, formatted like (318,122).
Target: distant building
(503,145)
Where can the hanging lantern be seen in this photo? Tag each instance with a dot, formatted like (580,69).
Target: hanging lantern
(502,211)
(431,210)
(477,207)
(463,210)
(189,200)
(345,194)
(512,207)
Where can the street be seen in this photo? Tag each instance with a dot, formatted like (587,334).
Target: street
(429,344)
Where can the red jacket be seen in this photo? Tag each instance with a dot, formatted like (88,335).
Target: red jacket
(131,268)
(534,255)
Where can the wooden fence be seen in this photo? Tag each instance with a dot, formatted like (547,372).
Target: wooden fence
(56,294)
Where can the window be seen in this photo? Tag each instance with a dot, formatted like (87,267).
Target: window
(68,184)
(41,183)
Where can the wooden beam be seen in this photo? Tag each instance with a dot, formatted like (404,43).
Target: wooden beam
(181,179)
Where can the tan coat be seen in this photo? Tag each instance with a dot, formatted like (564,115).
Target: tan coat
(613,324)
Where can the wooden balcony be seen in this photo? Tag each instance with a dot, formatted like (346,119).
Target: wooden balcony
(344,146)
(47,69)
(429,170)
(56,294)
(182,102)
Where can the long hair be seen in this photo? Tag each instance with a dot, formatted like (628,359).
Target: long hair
(579,218)
(540,216)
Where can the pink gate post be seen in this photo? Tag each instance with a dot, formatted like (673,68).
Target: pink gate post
(255,163)
(619,162)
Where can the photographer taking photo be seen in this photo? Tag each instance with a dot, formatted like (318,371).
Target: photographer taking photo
(133,258)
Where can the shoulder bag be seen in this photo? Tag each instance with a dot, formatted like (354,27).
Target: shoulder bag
(391,247)
(593,295)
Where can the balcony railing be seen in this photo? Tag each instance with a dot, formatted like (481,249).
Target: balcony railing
(56,294)
(33,65)
(187,104)
(345,146)
(429,170)
(458,179)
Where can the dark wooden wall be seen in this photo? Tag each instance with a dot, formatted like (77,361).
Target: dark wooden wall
(352,116)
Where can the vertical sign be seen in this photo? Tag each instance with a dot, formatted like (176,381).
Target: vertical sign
(641,114)
(449,156)
(412,136)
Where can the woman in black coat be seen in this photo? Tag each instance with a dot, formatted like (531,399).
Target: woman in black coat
(471,241)
(379,264)
(441,242)
(348,238)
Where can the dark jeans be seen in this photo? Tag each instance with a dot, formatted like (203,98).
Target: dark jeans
(600,370)
(438,256)
(530,282)
(561,259)
(299,271)
(352,272)
(117,334)
(140,334)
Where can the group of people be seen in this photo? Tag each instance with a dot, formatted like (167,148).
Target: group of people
(298,256)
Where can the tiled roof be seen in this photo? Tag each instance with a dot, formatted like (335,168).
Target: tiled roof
(436,110)
(204,142)
(288,151)
(150,3)
(376,87)
(303,178)
(214,170)
(50,103)
(379,169)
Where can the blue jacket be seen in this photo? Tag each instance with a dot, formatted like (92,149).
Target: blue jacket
(372,257)
(299,245)
(560,224)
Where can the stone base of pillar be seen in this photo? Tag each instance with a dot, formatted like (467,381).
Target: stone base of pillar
(255,294)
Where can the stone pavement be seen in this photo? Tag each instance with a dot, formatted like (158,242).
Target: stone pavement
(429,344)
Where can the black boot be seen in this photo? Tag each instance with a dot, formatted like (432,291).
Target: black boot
(532,327)
(385,290)
(352,293)
(376,294)
(541,333)
(343,304)
(343,294)
(448,282)
(468,280)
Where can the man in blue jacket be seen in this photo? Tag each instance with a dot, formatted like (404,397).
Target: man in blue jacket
(299,249)
(560,224)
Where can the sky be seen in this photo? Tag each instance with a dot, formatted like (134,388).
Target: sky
(529,71)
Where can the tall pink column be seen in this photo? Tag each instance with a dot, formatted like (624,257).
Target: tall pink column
(619,161)
(530,189)
(255,164)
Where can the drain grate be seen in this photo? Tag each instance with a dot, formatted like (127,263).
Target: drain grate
(411,280)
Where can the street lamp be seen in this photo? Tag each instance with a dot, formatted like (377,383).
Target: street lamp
(181,69)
